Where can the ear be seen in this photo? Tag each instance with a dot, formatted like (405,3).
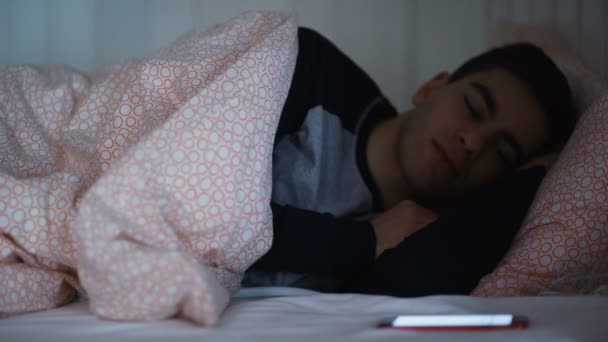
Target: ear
(429,87)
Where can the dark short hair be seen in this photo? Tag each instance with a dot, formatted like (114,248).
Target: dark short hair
(547,83)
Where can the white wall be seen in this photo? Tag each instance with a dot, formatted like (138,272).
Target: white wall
(399,42)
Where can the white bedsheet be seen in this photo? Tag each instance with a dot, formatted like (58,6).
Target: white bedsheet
(269,315)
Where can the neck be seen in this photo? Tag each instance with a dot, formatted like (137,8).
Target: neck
(383,159)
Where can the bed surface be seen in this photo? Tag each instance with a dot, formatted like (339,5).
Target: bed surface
(268,314)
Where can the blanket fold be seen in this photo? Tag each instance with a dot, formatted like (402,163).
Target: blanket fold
(145,186)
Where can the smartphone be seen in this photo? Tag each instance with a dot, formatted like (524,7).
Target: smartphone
(456,322)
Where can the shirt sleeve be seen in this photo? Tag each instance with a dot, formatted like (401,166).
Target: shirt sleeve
(325,76)
(304,241)
(317,244)
(452,254)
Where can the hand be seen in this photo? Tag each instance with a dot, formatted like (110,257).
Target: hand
(399,222)
(547,160)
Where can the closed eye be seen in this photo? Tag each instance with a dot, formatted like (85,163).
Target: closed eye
(474,113)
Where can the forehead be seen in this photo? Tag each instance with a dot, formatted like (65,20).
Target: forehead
(517,111)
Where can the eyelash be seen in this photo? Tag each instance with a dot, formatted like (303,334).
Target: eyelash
(475,114)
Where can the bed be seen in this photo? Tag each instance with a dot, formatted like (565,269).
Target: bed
(281,314)
(555,273)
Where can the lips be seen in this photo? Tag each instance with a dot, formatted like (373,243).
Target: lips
(444,157)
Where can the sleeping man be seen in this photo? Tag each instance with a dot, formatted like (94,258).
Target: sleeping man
(423,202)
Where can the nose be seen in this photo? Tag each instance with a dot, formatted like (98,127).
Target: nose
(471,142)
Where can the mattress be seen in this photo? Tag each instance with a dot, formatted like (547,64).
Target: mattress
(284,314)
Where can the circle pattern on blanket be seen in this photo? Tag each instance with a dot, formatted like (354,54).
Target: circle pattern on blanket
(152,181)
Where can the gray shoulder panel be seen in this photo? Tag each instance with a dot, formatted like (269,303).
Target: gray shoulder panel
(315,168)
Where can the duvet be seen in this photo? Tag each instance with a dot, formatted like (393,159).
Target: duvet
(144,187)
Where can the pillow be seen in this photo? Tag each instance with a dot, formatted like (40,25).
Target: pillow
(551,252)
(563,243)
(585,83)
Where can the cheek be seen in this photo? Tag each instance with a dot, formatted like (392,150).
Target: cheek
(431,123)
(445,119)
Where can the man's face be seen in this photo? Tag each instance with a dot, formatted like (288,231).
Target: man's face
(463,134)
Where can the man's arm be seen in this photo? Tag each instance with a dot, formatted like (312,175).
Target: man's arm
(452,254)
(321,244)
(399,222)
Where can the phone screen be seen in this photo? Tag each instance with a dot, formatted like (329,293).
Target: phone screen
(436,322)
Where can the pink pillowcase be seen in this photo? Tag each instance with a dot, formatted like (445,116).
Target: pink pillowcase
(563,244)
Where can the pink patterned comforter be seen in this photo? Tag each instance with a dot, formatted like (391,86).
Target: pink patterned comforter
(145,187)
